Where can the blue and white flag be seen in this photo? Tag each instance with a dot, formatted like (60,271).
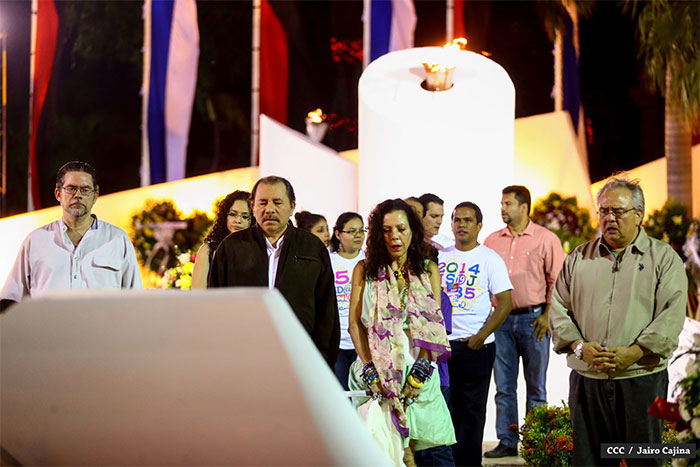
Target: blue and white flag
(171,54)
(391,23)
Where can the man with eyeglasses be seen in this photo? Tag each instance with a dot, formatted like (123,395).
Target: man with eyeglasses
(78,251)
(617,311)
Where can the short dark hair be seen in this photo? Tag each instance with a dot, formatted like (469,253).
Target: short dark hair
(306,220)
(469,204)
(343,219)
(273,180)
(522,194)
(75,166)
(426,198)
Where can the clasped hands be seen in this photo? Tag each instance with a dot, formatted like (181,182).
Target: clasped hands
(607,360)
(409,394)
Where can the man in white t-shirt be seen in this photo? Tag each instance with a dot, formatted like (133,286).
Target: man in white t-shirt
(472,275)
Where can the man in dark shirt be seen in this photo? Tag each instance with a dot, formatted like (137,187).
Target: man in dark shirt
(273,253)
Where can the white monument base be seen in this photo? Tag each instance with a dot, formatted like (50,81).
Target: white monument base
(217,377)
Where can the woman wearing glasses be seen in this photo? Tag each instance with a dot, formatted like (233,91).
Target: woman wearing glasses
(233,213)
(346,252)
(398,329)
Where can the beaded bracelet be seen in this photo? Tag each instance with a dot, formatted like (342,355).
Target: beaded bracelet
(422,370)
(412,381)
(370,374)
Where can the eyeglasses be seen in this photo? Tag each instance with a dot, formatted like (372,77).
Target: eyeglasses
(72,190)
(616,212)
(354,232)
(245,217)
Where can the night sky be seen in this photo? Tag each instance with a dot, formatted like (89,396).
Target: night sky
(93,106)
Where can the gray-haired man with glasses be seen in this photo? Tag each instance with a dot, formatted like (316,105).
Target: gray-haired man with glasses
(77,251)
(617,310)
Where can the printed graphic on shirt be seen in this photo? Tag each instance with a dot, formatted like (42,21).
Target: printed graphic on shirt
(342,276)
(343,288)
(462,282)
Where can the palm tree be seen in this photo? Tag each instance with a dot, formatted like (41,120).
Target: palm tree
(669,46)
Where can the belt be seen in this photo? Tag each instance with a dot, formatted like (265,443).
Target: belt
(528,309)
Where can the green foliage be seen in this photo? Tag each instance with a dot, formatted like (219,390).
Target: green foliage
(669,436)
(669,45)
(187,239)
(689,402)
(547,436)
(563,217)
(553,14)
(670,223)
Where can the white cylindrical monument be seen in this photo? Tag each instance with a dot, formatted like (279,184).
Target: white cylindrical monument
(457,143)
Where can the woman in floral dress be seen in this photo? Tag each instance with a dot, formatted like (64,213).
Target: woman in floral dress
(398,330)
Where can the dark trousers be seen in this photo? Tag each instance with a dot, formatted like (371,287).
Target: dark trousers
(439,455)
(470,376)
(342,366)
(614,411)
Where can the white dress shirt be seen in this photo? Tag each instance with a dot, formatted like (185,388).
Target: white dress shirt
(48,260)
(273,257)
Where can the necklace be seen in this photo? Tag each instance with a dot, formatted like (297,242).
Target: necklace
(399,274)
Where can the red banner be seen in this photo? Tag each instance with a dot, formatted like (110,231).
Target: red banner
(46,31)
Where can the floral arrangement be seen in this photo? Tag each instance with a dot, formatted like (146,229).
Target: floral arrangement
(684,414)
(187,236)
(669,436)
(670,223)
(179,277)
(547,436)
(689,404)
(565,218)
(691,250)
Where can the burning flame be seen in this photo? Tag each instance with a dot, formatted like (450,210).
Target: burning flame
(485,53)
(436,67)
(458,44)
(316,116)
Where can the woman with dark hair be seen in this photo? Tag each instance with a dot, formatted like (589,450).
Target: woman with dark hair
(346,252)
(233,213)
(315,224)
(398,330)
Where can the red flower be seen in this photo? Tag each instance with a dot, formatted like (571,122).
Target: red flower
(513,427)
(664,410)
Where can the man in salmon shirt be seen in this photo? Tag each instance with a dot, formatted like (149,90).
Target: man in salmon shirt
(534,257)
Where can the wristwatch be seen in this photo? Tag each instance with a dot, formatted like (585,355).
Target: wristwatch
(578,350)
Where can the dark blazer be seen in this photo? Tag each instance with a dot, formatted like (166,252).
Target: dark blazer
(304,276)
